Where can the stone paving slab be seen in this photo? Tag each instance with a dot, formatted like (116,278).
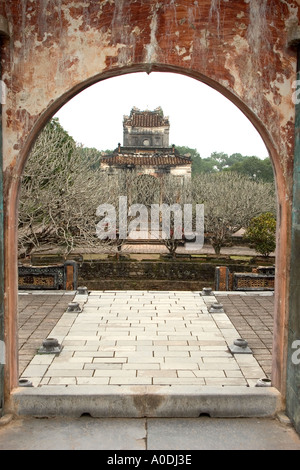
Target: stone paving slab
(38,312)
(88,433)
(144,338)
(252,314)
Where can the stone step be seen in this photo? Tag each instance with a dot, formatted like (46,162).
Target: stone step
(146,401)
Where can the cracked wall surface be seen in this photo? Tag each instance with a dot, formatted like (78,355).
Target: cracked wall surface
(58,47)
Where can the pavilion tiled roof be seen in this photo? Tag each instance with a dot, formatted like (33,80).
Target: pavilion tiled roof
(155,159)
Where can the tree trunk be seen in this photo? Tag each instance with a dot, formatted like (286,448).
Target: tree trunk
(217,247)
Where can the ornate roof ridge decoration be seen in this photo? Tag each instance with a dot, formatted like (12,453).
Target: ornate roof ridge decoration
(146,118)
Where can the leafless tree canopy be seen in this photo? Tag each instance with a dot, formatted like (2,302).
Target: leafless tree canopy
(63,186)
(230,202)
(61,189)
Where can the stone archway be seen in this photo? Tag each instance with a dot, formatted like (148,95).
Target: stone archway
(55,53)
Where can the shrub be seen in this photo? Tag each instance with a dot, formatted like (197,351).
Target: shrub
(261,233)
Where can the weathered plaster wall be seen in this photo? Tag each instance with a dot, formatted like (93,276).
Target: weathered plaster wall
(57,47)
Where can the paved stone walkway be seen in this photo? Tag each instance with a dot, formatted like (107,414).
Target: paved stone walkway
(145,338)
(142,248)
(38,313)
(253,317)
(241,250)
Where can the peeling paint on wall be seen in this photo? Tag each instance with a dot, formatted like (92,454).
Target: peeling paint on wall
(258,29)
(152,47)
(58,44)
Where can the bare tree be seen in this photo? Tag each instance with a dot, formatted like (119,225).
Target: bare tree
(61,189)
(176,191)
(63,186)
(230,202)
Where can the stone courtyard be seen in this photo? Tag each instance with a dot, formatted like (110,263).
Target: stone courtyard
(145,338)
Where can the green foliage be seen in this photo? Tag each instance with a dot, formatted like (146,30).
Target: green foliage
(202,165)
(193,153)
(53,150)
(58,137)
(199,165)
(261,233)
(91,157)
(255,168)
(251,166)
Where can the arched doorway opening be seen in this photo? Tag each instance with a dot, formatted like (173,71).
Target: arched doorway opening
(281,234)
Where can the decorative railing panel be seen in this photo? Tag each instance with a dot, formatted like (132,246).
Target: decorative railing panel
(57,277)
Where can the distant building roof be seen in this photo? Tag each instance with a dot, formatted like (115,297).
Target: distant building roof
(146,118)
(146,157)
(146,144)
(145,160)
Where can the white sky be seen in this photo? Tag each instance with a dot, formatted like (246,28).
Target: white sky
(200,117)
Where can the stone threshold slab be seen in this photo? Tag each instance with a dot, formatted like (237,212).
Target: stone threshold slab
(145,401)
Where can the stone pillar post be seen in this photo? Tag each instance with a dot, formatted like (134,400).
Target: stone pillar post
(71,275)
(293,353)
